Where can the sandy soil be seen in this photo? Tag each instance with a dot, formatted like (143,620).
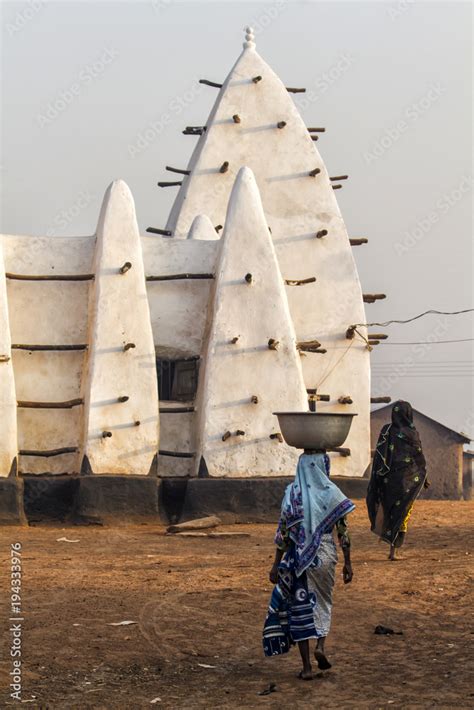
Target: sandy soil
(201,602)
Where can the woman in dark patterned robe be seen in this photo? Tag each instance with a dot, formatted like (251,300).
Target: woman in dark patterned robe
(398,476)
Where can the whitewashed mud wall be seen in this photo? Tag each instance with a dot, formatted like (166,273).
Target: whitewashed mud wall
(308,231)
(120,388)
(59,313)
(82,313)
(48,313)
(244,381)
(8,425)
(178,310)
(178,434)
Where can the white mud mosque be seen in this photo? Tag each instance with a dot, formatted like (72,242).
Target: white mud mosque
(166,354)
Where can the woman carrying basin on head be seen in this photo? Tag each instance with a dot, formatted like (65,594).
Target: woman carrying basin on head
(305,560)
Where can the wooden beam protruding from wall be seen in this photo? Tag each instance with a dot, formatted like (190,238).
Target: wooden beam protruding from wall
(194,130)
(372,297)
(180,171)
(51,452)
(50,277)
(300,282)
(214,84)
(177,454)
(177,410)
(47,348)
(163,232)
(310,346)
(319,397)
(180,277)
(69,404)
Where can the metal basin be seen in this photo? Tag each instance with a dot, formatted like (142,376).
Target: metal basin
(314,430)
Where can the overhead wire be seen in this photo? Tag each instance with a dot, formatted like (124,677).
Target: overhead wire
(429,342)
(410,320)
(418,375)
(329,370)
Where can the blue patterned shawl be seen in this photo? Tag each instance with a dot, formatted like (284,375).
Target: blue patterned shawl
(311,506)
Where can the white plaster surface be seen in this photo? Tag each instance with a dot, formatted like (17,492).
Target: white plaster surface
(48,376)
(8,421)
(177,433)
(178,316)
(40,429)
(45,377)
(202,228)
(255,313)
(48,255)
(176,430)
(48,312)
(55,465)
(178,308)
(296,206)
(119,314)
(162,255)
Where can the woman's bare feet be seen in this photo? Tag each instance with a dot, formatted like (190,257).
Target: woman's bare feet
(322,660)
(307,672)
(320,655)
(394,556)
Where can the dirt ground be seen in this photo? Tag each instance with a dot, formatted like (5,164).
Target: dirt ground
(199,606)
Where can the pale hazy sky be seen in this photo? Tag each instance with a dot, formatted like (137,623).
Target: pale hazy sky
(94,91)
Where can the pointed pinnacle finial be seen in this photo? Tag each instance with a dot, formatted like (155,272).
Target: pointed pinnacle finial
(249,38)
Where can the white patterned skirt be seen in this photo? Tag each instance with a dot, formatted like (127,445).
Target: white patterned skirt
(320,577)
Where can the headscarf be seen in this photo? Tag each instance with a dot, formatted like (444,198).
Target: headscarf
(398,473)
(402,414)
(311,506)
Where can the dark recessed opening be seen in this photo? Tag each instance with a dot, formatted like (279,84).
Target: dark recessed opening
(177,379)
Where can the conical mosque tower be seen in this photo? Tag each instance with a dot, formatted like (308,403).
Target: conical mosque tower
(255,123)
